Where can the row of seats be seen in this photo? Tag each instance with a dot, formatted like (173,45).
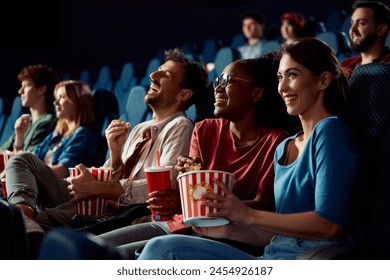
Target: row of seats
(212,53)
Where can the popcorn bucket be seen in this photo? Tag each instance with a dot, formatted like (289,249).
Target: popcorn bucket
(192,184)
(94,206)
(4,157)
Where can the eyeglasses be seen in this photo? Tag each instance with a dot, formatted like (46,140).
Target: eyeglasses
(224,80)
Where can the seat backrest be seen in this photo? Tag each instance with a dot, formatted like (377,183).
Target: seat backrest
(209,50)
(106,104)
(152,66)
(337,40)
(334,19)
(127,75)
(192,113)
(122,86)
(3,115)
(103,80)
(369,115)
(13,233)
(136,108)
(387,42)
(70,244)
(85,76)
(237,41)
(271,45)
(346,24)
(225,56)
(16,112)
(106,109)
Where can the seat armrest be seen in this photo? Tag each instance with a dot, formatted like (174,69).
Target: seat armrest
(343,252)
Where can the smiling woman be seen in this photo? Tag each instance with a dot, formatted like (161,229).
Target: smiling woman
(70,143)
(312,208)
(241,140)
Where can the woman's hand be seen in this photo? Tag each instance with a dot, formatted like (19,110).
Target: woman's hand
(185,163)
(229,205)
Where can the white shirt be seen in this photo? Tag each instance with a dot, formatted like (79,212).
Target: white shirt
(171,137)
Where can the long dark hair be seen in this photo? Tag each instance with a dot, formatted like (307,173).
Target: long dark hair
(271,110)
(318,57)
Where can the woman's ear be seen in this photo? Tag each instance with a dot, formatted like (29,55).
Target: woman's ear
(257,94)
(326,78)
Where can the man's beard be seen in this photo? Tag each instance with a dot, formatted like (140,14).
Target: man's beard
(364,44)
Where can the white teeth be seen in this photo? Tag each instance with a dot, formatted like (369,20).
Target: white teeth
(220,100)
(290,98)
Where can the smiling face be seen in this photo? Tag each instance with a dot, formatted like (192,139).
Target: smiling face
(237,98)
(363,30)
(63,105)
(300,89)
(165,85)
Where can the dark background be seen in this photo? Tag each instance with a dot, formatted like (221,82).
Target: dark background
(71,35)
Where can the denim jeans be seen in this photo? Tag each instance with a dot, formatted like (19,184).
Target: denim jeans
(179,247)
(182,247)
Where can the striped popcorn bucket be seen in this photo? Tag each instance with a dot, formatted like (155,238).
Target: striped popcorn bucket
(192,184)
(4,157)
(94,206)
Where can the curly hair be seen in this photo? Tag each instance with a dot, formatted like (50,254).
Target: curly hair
(41,75)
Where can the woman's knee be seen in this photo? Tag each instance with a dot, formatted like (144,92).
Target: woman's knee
(163,246)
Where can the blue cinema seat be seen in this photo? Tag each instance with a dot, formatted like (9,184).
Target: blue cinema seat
(70,244)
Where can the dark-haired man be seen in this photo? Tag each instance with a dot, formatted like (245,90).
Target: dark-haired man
(253,25)
(370,24)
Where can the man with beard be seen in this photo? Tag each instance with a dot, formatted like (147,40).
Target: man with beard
(370,24)
(174,86)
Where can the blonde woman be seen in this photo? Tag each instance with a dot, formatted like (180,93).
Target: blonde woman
(34,180)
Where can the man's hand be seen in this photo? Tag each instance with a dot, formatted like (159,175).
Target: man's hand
(82,186)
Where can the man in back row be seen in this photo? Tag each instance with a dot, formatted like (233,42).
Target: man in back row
(253,25)
(370,23)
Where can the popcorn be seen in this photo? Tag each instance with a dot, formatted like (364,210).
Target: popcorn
(192,167)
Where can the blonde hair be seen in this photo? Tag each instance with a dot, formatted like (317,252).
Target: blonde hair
(80,95)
